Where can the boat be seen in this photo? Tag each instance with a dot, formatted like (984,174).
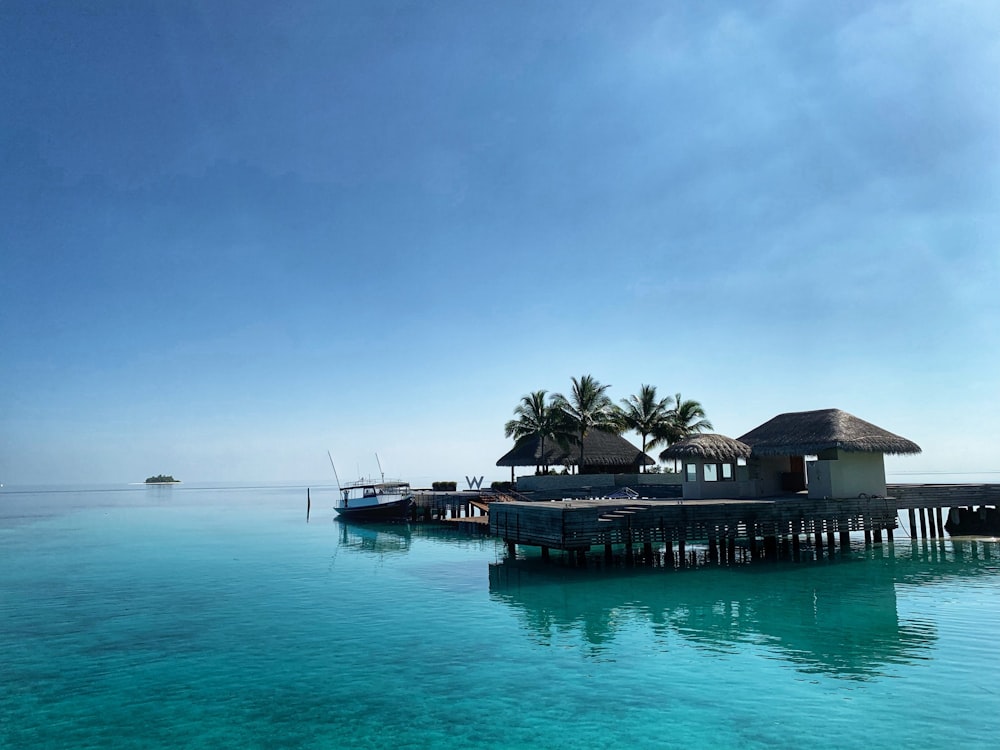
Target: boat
(375,500)
(981,521)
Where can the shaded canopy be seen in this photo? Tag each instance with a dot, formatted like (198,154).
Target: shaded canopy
(810,432)
(707,446)
(600,449)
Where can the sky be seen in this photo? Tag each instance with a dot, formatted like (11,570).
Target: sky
(235,236)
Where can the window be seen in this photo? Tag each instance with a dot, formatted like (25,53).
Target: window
(692,472)
(711,472)
(727,472)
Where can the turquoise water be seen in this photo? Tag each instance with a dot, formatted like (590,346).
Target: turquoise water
(218,617)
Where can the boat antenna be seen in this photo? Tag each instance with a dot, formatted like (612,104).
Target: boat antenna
(379,467)
(334,469)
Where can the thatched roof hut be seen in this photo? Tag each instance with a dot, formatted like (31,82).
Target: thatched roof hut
(812,432)
(707,446)
(602,452)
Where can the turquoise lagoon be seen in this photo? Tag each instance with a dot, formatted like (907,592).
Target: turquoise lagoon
(218,617)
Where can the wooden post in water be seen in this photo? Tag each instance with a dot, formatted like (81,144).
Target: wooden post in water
(923,523)
(770,547)
(913,523)
(845,538)
(308,504)
(511,549)
(609,554)
(831,540)
(545,553)
(940,522)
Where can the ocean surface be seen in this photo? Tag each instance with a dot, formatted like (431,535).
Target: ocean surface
(218,617)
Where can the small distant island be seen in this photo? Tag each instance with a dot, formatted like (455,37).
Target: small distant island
(162,479)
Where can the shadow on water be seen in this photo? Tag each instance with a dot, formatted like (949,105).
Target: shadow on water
(836,617)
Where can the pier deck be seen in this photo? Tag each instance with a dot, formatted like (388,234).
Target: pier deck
(582,524)
(763,524)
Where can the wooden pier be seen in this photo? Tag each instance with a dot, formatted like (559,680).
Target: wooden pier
(767,528)
(466,510)
(724,530)
(925,504)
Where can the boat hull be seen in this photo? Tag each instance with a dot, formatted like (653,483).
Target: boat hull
(394,511)
(983,521)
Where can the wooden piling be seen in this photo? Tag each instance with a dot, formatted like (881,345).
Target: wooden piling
(770,547)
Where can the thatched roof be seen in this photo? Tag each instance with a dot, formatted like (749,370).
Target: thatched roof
(708,446)
(599,449)
(808,432)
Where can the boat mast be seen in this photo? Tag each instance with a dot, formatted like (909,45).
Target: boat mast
(334,470)
(382,473)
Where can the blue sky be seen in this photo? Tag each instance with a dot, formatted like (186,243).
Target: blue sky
(237,235)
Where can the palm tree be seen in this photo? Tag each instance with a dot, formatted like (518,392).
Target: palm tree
(686,418)
(588,407)
(537,418)
(689,417)
(646,415)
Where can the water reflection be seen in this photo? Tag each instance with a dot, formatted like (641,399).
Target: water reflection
(376,538)
(838,618)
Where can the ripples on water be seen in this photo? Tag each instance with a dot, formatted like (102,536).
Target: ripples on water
(217,617)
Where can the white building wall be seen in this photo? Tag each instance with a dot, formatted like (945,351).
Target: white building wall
(699,489)
(849,475)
